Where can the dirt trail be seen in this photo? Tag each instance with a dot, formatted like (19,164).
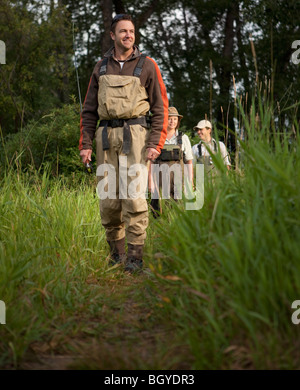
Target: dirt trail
(129,332)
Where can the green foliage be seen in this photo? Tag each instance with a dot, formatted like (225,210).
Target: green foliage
(199,45)
(232,268)
(49,235)
(227,274)
(51,141)
(38,69)
(61,296)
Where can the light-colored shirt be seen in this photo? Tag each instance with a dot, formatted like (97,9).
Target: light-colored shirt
(186,145)
(204,151)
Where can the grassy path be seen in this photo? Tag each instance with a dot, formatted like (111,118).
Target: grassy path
(65,307)
(128,332)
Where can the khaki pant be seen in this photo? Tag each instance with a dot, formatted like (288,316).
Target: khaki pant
(128,216)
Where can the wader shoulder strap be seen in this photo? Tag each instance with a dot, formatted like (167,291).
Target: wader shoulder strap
(215,145)
(179,139)
(179,142)
(199,149)
(103,66)
(139,67)
(137,71)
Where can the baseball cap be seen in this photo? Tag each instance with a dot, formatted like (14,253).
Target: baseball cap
(202,124)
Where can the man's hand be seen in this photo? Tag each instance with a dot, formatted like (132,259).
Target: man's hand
(86,155)
(151,154)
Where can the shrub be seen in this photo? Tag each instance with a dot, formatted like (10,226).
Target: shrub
(52,140)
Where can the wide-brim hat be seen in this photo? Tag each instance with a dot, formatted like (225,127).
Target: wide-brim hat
(202,124)
(173,112)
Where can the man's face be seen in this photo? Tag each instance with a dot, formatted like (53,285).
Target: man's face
(124,36)
(204,134)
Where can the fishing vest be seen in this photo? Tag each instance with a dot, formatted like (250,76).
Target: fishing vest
(206,160)
(122,101)
(172,152)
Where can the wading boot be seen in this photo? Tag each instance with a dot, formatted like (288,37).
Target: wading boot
(117,251)
(134,262)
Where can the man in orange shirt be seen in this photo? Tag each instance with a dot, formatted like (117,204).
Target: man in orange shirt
(124,88)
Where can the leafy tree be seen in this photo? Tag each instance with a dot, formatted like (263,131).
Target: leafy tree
(200,45)
(276,26)
(38,65)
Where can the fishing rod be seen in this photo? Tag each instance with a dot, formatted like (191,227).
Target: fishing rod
(76,69)
(88,165)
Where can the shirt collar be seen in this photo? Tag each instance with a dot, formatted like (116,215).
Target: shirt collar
(136,52)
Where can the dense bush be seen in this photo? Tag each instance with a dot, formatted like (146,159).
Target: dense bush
(52,140)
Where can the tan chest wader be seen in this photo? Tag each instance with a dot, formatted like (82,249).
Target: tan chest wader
(207,160)
(122,108)
(170,155)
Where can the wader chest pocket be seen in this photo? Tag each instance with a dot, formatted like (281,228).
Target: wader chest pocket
(170,155)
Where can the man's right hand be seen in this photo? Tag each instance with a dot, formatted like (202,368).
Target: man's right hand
(86,155)
(151,154)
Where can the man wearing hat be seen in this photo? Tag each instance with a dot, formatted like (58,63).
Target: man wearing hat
(176,150)
(200,150)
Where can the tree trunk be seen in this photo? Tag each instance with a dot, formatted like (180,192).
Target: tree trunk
(225,77)
(119,7)
(226,68)
(105,39)
(64,92)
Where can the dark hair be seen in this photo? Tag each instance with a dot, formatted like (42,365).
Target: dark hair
(117,18)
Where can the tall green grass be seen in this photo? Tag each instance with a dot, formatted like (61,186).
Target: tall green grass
(226,274)
(62,297)
(52,241)
(233,267)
